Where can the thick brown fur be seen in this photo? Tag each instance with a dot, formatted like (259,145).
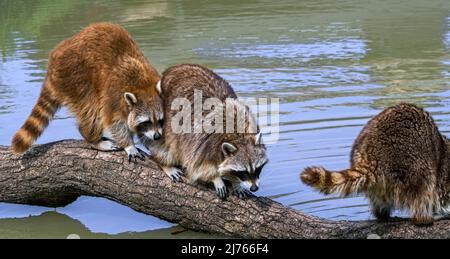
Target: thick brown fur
(201,154)
(89,73)
(399,161)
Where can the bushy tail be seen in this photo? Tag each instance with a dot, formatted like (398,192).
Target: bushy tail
(342,182)
(40,116)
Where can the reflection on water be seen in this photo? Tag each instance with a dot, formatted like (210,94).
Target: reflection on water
(56,225)
(291,53)
(333,65)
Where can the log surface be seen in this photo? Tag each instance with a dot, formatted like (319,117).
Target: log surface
(56,174)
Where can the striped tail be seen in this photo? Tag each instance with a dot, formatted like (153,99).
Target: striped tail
(343,182)
(40,116)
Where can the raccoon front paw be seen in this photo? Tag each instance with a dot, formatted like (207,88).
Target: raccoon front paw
(221,188)
(222,192)
(107,145)
(135,153)
(174,173)
(441,216)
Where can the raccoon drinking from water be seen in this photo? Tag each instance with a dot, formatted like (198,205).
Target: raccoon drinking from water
(399,161)
(101,75)
(232,157)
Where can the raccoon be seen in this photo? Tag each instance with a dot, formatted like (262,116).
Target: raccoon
(399,161)
(101,75)
(232,162)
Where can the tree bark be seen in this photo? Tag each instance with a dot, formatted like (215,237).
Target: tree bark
(56,174)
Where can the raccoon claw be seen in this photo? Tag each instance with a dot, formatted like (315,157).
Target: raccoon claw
(221,188)
(176,176)
(136,157)
(222,192)
(107,145)
(135,153)
(143,153)
(242,193)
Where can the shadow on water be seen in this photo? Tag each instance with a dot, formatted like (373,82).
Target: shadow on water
(333,65)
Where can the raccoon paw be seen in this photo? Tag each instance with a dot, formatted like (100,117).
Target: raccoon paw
(174,173)
(135,153)
(222,192)
(242,193)
(107,145)
(221,188)
(143,153)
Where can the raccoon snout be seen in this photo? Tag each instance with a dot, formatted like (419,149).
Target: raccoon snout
(250,185)
(152,135)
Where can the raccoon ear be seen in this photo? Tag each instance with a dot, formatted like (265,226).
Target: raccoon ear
(158,87)
(228,149)
(130,98)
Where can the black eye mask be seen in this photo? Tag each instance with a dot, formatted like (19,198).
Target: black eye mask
(160,123)
(259,169)
(242,175)
(245,176)
(144,126)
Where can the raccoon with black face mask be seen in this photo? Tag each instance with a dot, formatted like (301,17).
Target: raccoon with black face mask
(232,161)
(104,79)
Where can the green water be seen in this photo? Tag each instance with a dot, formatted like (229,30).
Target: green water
(333,64)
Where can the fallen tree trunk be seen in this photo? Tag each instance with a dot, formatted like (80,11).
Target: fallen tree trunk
(56,174)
